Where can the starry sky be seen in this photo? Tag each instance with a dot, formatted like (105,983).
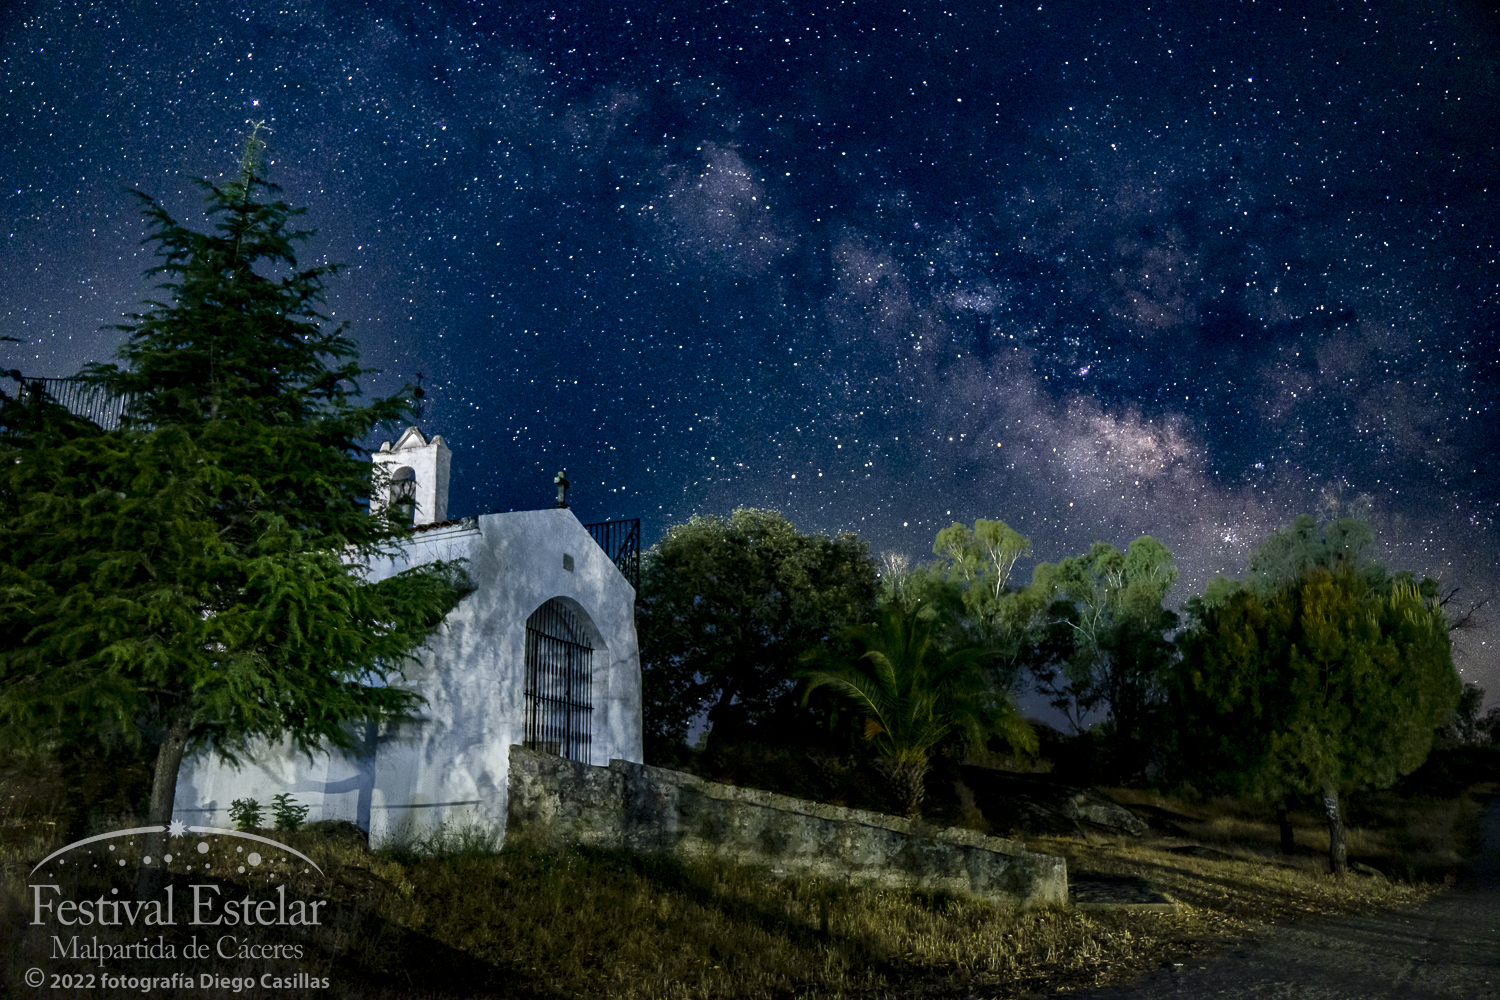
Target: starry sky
(1097,270)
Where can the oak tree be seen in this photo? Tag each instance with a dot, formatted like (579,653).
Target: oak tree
(726,607)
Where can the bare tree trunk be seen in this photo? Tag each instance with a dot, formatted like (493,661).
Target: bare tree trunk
(1284,821)
(1338,855)
(163,794)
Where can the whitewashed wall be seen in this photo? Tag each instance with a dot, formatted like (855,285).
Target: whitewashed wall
(450,765)
(429,463)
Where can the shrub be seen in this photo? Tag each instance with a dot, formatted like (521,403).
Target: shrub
(289,815)
(245,813)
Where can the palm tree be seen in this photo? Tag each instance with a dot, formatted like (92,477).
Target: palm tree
(913,692)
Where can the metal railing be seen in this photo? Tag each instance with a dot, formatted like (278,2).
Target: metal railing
(621,541)
(78,397)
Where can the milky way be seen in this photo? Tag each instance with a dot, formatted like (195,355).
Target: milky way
(1187,270)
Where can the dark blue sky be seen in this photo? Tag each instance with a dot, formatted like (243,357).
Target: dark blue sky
(1094,269)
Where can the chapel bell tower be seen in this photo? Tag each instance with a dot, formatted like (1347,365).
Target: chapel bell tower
(415,477)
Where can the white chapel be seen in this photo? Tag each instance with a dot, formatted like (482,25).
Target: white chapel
(541,653)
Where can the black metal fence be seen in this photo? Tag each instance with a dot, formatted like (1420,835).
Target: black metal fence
(559,683)
(621,541)
(80,398)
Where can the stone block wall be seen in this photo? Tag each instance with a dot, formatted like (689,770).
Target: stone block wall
(637,807)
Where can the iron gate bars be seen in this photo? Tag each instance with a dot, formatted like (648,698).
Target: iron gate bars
(77,396)
(559,675)
(621,541)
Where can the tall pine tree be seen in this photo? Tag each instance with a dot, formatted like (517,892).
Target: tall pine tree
(190,581)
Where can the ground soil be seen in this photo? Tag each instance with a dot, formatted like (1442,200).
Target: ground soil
(1448,948)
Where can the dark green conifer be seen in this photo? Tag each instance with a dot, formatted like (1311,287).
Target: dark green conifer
(1325,676)
(190,580)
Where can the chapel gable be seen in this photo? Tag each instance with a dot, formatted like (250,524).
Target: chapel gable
(412,476)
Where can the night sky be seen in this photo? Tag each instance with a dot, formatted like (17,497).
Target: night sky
(1097,270)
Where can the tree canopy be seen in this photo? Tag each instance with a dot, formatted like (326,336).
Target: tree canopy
(726,607)
(1292,552)
(191,580)
(1110,643)
(1327,676)
(992,611)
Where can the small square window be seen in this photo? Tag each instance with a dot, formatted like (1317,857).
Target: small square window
(567,562)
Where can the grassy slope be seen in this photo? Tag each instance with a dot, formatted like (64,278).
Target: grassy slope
(455,919)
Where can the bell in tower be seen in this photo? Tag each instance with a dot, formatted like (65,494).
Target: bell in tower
(412,476)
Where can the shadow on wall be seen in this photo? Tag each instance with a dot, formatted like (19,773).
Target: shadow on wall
(362,781)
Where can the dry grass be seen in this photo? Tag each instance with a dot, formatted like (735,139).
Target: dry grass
(452,917)
(607,924)
(456,919)
(1419,838)
(1244,889)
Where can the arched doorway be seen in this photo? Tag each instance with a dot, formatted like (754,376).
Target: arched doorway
(559,680)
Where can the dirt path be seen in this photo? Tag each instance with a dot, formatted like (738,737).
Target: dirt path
(1448,949)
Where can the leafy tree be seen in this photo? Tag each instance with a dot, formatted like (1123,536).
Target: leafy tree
(727,605)
(1225,704)
(1326,677)
(1277,562)
(1288,554)
(930,589)
(982,556)
(190,581)
(1009,620)
(1110,638)
(911,691)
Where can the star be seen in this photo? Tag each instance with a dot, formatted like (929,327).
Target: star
(1139,266)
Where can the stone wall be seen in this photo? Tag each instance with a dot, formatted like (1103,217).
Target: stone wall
(637,807)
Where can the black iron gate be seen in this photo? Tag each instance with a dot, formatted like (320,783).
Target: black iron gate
(559,674)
